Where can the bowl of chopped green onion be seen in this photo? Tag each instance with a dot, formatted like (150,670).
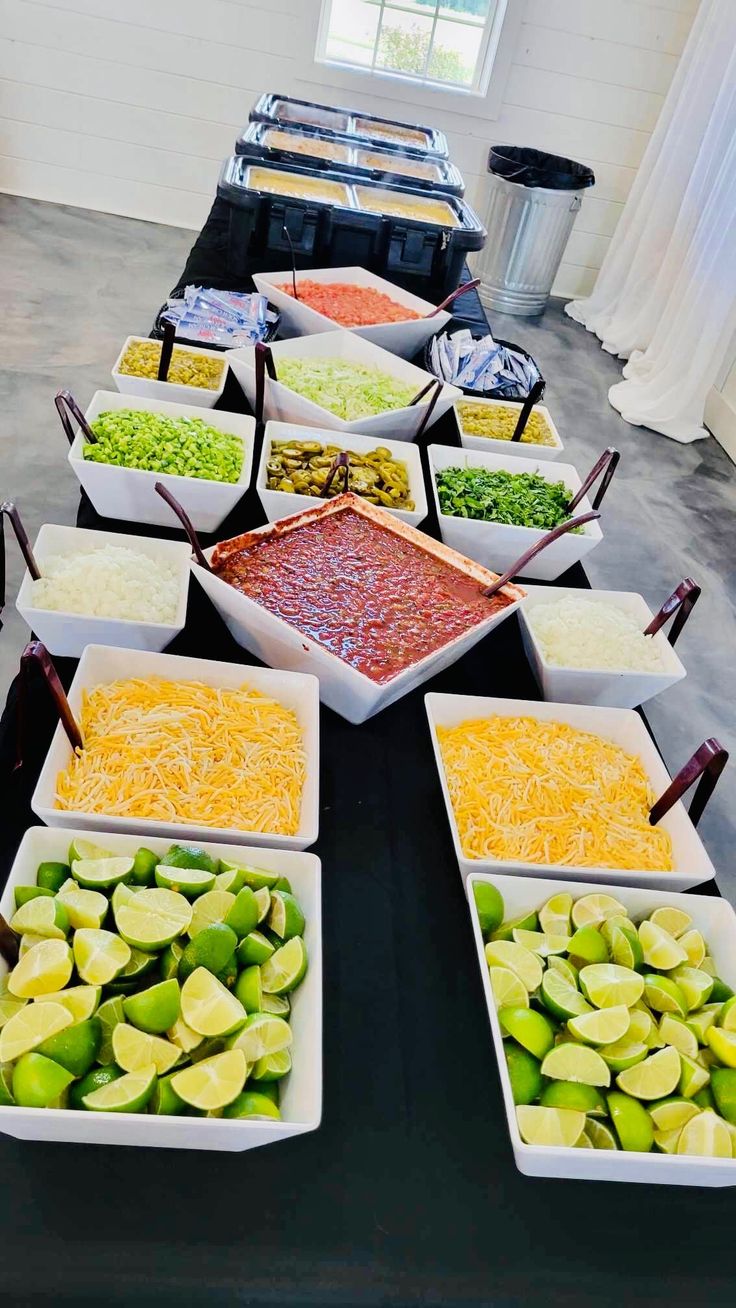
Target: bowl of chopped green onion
(492,508)
(204,460)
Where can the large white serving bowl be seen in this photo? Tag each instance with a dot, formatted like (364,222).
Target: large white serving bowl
(716,921)
(279,504)
(343,688)
(490,445)
(498,545)
(129,493)
(624,728)
(297,319)
(301,1094)
(101,664)
(286,405)
(149,388)
(66,634)
(605,686)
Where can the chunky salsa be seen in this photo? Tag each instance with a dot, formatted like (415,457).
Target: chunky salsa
(367,594)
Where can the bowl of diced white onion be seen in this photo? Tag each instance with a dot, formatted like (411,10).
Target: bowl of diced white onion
(98,587)
(589,647)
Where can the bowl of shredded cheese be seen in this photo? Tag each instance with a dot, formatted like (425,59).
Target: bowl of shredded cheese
(187,748)
(99,587)
(589,647)
(559,789)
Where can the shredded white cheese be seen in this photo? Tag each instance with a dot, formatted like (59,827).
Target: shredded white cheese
(111,581)
(580,633)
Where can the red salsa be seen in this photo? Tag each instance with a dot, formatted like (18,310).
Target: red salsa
(373,598)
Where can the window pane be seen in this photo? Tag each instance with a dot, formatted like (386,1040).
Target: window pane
(478,9)
(404,42)
(352,34)
(455,51)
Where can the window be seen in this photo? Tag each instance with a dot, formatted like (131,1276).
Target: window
(440,43)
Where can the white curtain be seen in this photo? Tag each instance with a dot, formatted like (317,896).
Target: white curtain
(665,298)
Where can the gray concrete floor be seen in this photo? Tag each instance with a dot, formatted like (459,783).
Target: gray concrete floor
(76,283)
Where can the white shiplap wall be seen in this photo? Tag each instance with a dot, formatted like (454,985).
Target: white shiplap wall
(129,106)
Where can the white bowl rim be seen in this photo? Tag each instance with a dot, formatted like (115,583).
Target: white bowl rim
(190,349)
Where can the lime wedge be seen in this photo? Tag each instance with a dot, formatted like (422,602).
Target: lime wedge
(666,1141)
(85,908)
(529,1028)
(607,985)
(569,1062)
(489,905)
(255,877)
(9,1004)
(561,998)
(30,1027)
(592,909)
(165,1101)
(134,1050)
(528,921)
(285,916)
(52,875)
(6,1084)
(212,947)
(660,949)
(81,1001)
(47,966)
(601,1027)
(524,1074)
(623,942)
(693,1077)
(508,990)
(255,948)
(170,959)
(154,1010)
(278,1004)
(38,1080)
(705,1135)
(672,920)
(99,1076)
(86,849)
(632,1123)
(672,1114)
(694,946)
(258,1107)
(42,917)
(126,1094)
(214,1082)
(549,1126)
(208,1007)
(723,1044)
(99,955)
(153,918)
(522,962)
(188,881)
(587,946)
(109,1013)
(75,1048)
(695,985)
(554,915)
(101,873)
(263,900)
(272,1066)
(261,1035)
(654,1078)
(249,990)
(541,944)
(600,1135)
(233,880)
(182,1035)
(563,965)
(286,967)
(143,872)
(642,1026)
(212,906)
(664,995)
(723,1085)
(701,1021)
(674,1031)
(574,1094)
(138,966)
(726,1016)
(624,1053)
(245,913)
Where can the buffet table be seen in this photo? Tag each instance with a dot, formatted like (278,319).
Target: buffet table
(408,1193)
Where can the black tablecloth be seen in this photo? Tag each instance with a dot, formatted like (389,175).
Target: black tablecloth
(408,1193)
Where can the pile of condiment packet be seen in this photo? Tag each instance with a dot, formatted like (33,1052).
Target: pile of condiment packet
(483,365)
(210,317)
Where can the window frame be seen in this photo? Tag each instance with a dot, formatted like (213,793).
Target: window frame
(494,30)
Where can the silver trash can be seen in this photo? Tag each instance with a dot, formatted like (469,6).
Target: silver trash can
(533,198)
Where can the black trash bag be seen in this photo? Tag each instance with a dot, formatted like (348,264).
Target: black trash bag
(528,167)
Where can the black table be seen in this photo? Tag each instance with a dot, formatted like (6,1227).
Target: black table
(408,1193)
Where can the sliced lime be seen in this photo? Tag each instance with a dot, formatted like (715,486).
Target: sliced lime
(30,1027)
(694,946)
(695,985)
(549,1126)
(554,915)
(508,990)
(624,1053)
(212,1083)
(285,916)
(47,966)
(125,1094)
(574,1094)
(587,946)
(255,948)
(664,995)
(631,1121)
(187,881)
(101,873)
(592,909)
(134,1050)
(153,918)
(272,1066)
(85,908)
(570,1062)
(601,1027)
(76,1047)
(52,875)
(284,970)
(529,1028)
(607,985)
(528,921)
(674,1031)
(156,1009)
(143,872)
(182,1035)
(654,1078)
(261,1035)
(541,944)
(249,990)
(600,1135)
(524,1073)
(244,915)
(489,905)
(723,1044)
(208,1007)
(672,920)
(705,1135)
(522,962)
(43,916)
(251,1104)
(99,955)
(672,1113)
(212,906)
(38,1080)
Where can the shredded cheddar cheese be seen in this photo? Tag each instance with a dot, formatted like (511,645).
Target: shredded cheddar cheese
(185,752)
(544,792)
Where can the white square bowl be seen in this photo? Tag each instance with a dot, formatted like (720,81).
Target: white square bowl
(301,1097)
(715,919)
(490,445)
(604,686)
(278,504)
(297,319)
(66,634)
(498,545)
(343,688)
(101,664)
(128,493)
(197,397)
(624,728)
(286,405)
